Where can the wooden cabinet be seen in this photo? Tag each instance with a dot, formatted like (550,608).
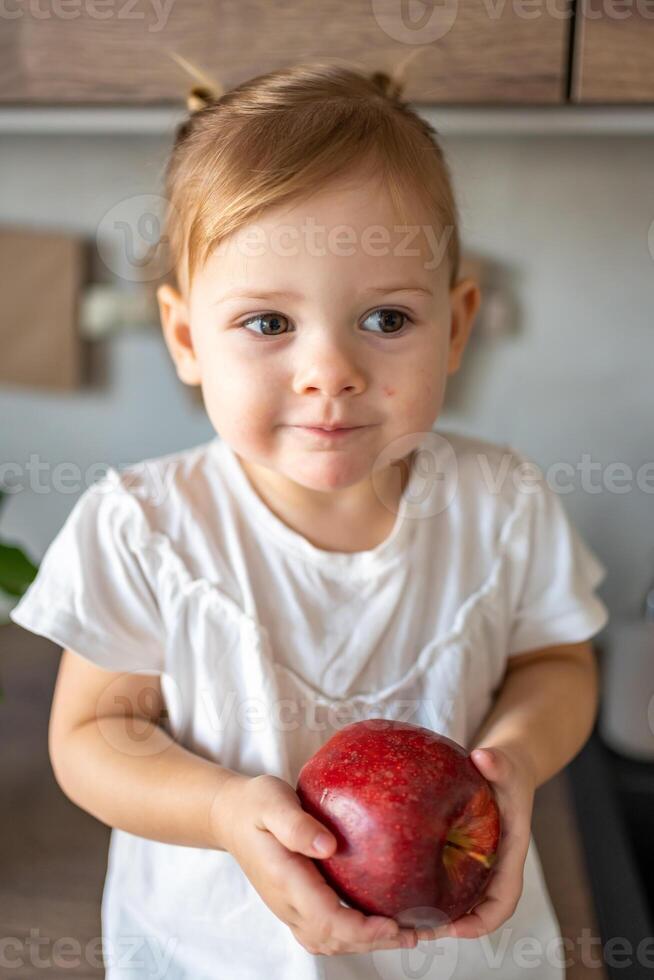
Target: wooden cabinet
(104,52)
(614,52)
(462,52)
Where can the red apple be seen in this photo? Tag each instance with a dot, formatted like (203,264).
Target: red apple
(417,825)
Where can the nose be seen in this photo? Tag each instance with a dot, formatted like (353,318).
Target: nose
(328,367)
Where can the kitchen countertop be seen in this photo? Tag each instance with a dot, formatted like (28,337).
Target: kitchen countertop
(53,854)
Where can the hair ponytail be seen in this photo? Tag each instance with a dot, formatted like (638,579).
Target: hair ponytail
(392,84)
(388,85)
(201,96)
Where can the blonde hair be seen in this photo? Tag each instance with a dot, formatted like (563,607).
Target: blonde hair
(281,135)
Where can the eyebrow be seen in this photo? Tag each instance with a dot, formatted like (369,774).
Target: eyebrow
(290,294)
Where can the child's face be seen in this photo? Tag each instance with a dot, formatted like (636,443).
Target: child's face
(329,359)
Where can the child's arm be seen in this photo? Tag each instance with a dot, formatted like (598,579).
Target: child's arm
(543,715)
(545,709)
(112,758)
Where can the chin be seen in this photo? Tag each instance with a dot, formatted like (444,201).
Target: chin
(329,470)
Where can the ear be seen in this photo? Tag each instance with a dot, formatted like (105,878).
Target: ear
(177,334)
(465,298)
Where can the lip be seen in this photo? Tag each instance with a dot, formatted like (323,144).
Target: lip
(338,432)
(329,428)
(327,425)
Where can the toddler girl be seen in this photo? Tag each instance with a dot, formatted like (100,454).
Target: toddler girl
(326,557)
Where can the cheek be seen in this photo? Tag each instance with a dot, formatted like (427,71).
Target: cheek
(420,399)
(239,395)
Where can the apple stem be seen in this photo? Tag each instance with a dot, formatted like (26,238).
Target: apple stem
(486,859)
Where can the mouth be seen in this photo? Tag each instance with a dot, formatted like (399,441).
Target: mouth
(338,433)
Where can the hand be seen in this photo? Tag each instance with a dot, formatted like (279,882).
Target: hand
(509,772)
(264,826)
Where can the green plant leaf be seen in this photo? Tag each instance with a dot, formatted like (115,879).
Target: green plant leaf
(16,570)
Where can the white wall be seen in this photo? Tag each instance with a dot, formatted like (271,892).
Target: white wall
(566,216)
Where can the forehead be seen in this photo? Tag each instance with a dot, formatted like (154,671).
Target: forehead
(349,229)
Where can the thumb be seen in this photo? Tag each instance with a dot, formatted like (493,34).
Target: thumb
(299,831)
(484,758)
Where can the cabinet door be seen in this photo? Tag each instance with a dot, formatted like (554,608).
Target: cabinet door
(117,51)
(614,52)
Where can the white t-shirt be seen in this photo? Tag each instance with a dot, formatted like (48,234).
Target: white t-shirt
(266,645)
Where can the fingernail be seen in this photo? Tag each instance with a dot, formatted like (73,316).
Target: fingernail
(322,843)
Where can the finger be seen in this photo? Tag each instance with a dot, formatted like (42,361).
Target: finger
(296,829)
(321,907)
(493,765)
(499,770)
(483,758)
(434,932)
(358,932)
(508,870)
(303,899)
(500,899)
(403,940)
(486,918)
(498,904)
(300,886)
(352,927)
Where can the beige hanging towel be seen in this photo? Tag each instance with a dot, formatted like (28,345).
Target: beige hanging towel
(41,275)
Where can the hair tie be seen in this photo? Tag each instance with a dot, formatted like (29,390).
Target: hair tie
(206,93)
(388,85)
(199,97)
(392,85)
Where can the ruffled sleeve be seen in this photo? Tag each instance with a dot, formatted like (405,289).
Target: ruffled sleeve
(92,592)
(554,573)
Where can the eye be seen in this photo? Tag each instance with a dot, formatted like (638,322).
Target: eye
(386,318)
(275,322)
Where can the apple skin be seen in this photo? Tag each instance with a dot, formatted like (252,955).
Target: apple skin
(417,826)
